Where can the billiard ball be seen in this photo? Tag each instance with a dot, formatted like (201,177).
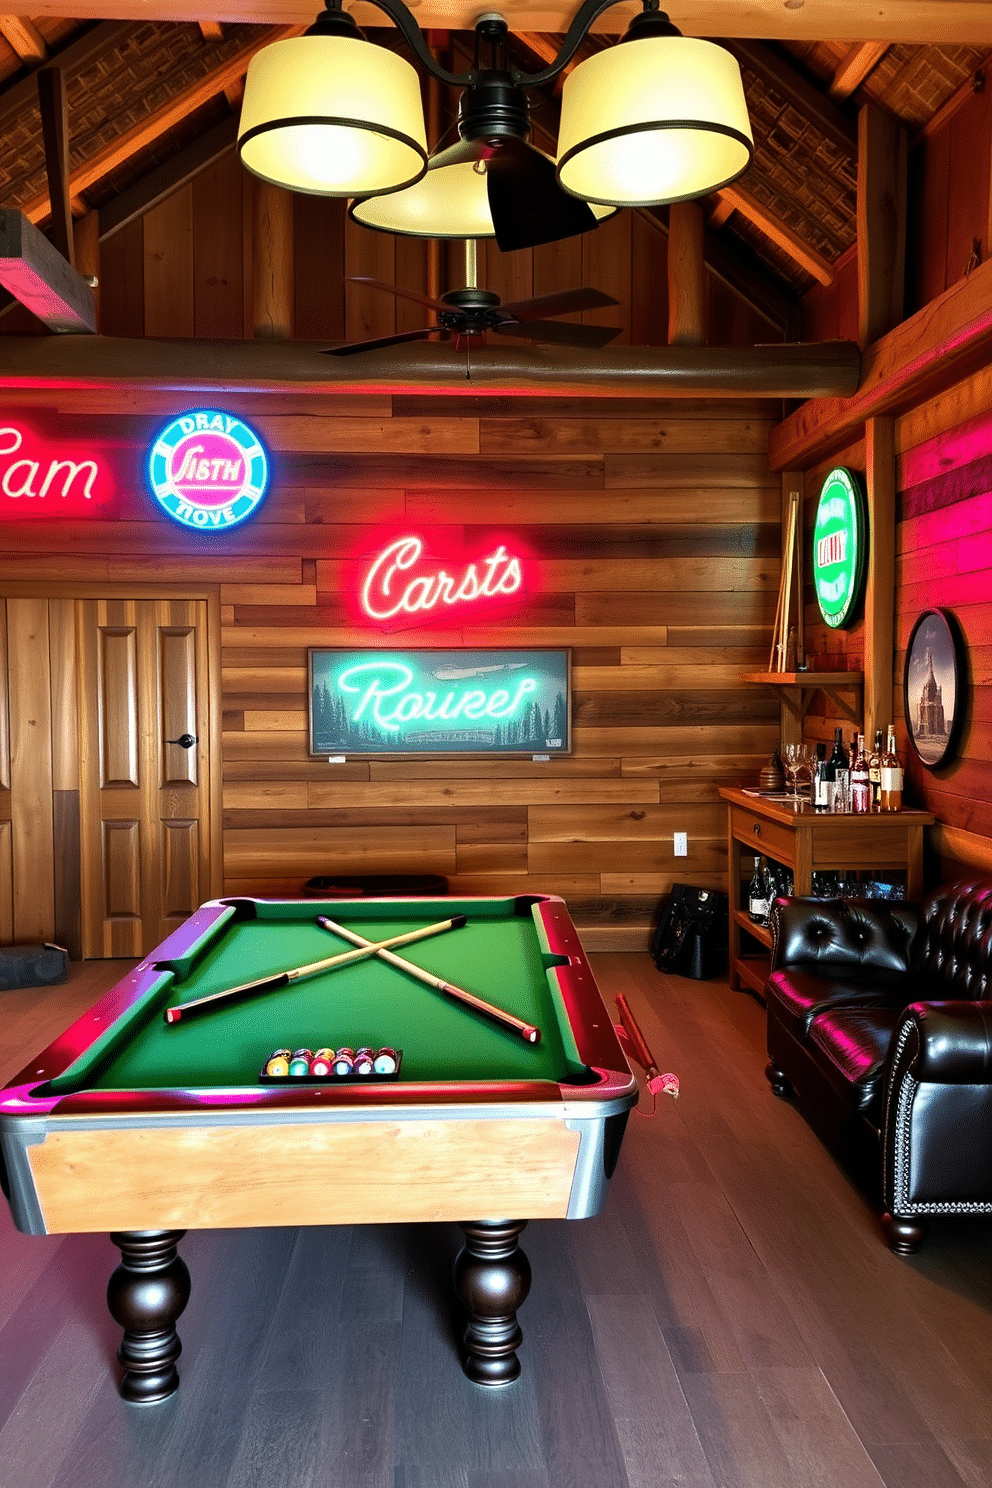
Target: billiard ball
(278,1063)
(385,1062)
(344,1062)
(364,1061)
(300,1062)
(321,1062)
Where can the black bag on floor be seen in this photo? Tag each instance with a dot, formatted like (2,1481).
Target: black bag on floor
(691,938)
(32,966)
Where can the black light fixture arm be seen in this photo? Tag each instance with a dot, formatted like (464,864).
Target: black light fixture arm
(335,20)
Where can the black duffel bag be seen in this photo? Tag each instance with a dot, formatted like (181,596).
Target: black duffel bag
(32,966)
(691,938)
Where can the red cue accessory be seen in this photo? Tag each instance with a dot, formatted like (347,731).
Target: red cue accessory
(634,1045)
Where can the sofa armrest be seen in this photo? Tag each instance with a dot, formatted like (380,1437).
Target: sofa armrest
(944,1043)
(854,933)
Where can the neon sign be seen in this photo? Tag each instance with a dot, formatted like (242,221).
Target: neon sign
(839,546)
(422,701)
(208,470)
(43,480)
(388,593)
(384,688)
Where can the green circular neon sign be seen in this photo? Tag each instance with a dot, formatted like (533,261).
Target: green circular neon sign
(839,542)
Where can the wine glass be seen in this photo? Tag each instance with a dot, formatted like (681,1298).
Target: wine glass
(798,762)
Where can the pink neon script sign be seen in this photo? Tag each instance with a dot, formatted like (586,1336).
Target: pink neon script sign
(31,472)
(388,592)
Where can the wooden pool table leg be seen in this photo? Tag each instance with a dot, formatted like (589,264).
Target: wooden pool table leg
(146,1294)
(492,1279)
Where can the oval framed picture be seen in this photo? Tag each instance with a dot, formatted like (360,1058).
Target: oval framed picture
(933,686)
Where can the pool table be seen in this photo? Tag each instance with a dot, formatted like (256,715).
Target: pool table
(147,1128)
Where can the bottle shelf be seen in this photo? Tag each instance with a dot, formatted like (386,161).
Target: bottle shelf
(796,689)
(760,932)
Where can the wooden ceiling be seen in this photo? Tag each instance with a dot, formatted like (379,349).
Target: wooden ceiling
(152,99)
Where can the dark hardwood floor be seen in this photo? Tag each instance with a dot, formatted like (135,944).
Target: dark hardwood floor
(732,1320)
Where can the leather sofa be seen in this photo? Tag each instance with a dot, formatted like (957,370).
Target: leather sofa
(879,1019)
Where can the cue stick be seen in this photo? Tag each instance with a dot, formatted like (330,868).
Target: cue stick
(527,1031)
(283,978)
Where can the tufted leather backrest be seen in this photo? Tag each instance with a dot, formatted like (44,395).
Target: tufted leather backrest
(954,947)
(844,932)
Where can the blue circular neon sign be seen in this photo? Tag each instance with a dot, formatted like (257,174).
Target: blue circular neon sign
(208,470)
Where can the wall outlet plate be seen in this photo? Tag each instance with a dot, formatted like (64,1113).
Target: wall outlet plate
(681,842)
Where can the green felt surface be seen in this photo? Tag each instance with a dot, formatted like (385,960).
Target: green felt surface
(498,956)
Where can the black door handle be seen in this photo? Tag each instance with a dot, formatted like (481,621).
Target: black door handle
(185,741)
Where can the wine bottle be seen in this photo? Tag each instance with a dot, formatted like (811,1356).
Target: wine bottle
(875,770)
(891,776)
(757,896)
(860,780)
(839,761)
(821,798)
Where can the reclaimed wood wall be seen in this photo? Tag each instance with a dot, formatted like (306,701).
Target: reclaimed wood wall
(654,531)
(185,269)
(949,214)
(943,560)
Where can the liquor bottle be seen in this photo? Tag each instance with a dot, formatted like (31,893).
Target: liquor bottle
(860,780)
(757,896)
(875,770)
(891,776)
(839,761)
(821,798)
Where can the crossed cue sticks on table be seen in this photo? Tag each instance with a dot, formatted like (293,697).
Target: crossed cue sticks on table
(364,949)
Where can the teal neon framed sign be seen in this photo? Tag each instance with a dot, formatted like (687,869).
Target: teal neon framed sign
(840,540)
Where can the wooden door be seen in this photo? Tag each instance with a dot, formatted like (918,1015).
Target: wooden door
(144,801)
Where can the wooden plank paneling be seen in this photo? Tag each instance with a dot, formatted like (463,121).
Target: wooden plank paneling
(168,264)
(32,830)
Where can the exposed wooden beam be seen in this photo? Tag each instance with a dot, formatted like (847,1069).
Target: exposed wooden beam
(295,366)
(211,30)
(114,154)
(273,285)
(774,228)
(922,21)
(855,67)
(42,278)
(686,275)
(978,81)
(24,36)
(720,213)
(794,88)
(168,177)
(880,587)
(942,343)
(73,58)
(729,263)
(881,223)
(86,241)
(54,108)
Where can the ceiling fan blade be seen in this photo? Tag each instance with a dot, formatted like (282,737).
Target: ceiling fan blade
(564,332)
(460,151)
(562,303)
(394,289)
(528,206)
(350,347)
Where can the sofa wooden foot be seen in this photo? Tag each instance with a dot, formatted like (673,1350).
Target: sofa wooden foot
(778,1082)
(904,1236)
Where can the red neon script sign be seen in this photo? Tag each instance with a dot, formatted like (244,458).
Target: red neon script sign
(39,480)
(394,588)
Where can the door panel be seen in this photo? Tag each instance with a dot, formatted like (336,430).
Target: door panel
(144,801)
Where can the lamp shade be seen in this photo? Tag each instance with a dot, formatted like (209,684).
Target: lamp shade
(450,201)
(659,119)
(333,116)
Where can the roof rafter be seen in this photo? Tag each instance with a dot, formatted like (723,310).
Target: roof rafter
(163,119)
(855,67)
(24,36)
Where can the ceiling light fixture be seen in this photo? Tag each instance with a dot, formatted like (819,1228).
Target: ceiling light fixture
(658,118)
